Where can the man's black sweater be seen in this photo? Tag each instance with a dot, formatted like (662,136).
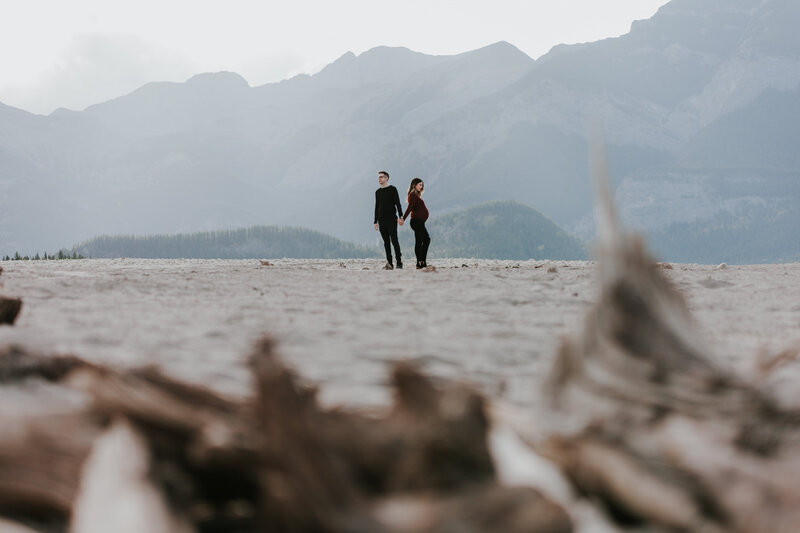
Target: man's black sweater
(387,200)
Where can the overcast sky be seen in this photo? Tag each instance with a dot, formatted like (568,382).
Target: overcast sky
(74,53)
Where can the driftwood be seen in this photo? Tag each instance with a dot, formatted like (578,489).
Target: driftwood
(9,309)
(145,452)
(643,418)
(41,449)
(17,364)
(40,465)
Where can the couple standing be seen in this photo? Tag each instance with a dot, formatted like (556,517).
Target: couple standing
(386,201)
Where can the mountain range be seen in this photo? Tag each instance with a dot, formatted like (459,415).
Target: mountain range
(698,108)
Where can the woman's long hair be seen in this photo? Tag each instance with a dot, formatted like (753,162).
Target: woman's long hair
(412,188)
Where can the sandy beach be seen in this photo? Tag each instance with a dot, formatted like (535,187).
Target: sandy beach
(496,324)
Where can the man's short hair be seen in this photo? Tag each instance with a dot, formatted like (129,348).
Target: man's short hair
(384,173)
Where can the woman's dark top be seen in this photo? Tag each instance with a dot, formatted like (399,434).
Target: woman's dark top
(416,206)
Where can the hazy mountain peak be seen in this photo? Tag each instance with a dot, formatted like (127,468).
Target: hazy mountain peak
(212,86)
(343,63)
(500,47)
(223,80)
(345,58)
(499,53)
(382,64)
(387,53)
(64,112)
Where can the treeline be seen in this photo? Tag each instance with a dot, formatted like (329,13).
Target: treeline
(244,243)
(748,235)
(496,230)
(44,257)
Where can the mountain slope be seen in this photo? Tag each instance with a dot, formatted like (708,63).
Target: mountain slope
(496,230)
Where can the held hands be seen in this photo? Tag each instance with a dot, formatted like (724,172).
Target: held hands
(400,221)
(376,227)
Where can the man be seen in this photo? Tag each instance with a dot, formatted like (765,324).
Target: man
(387,201)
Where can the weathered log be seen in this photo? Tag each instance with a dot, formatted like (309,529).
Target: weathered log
(45,434)
(507,509)
(9,309)
(275,461)
(495,508)
(7,526)
(40,464)
(117,492)
(303,482)
(17,364)
(202,446)
(645,419)
(434,439)
(442,434)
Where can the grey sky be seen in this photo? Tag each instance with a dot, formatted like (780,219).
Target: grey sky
(76,53)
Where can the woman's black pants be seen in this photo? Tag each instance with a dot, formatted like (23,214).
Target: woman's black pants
(421,240)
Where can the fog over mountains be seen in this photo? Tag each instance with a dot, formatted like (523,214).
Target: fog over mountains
(700,106)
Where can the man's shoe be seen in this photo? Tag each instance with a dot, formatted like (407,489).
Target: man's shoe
(388,267)
(399,266)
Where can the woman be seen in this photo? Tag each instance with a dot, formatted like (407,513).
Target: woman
(419,214)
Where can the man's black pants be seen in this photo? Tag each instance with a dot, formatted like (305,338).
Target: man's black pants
(388,230)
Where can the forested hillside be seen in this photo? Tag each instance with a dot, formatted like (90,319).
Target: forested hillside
(253,242)
(496,230)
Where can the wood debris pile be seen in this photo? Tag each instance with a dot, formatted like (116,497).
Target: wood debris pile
(139,451)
